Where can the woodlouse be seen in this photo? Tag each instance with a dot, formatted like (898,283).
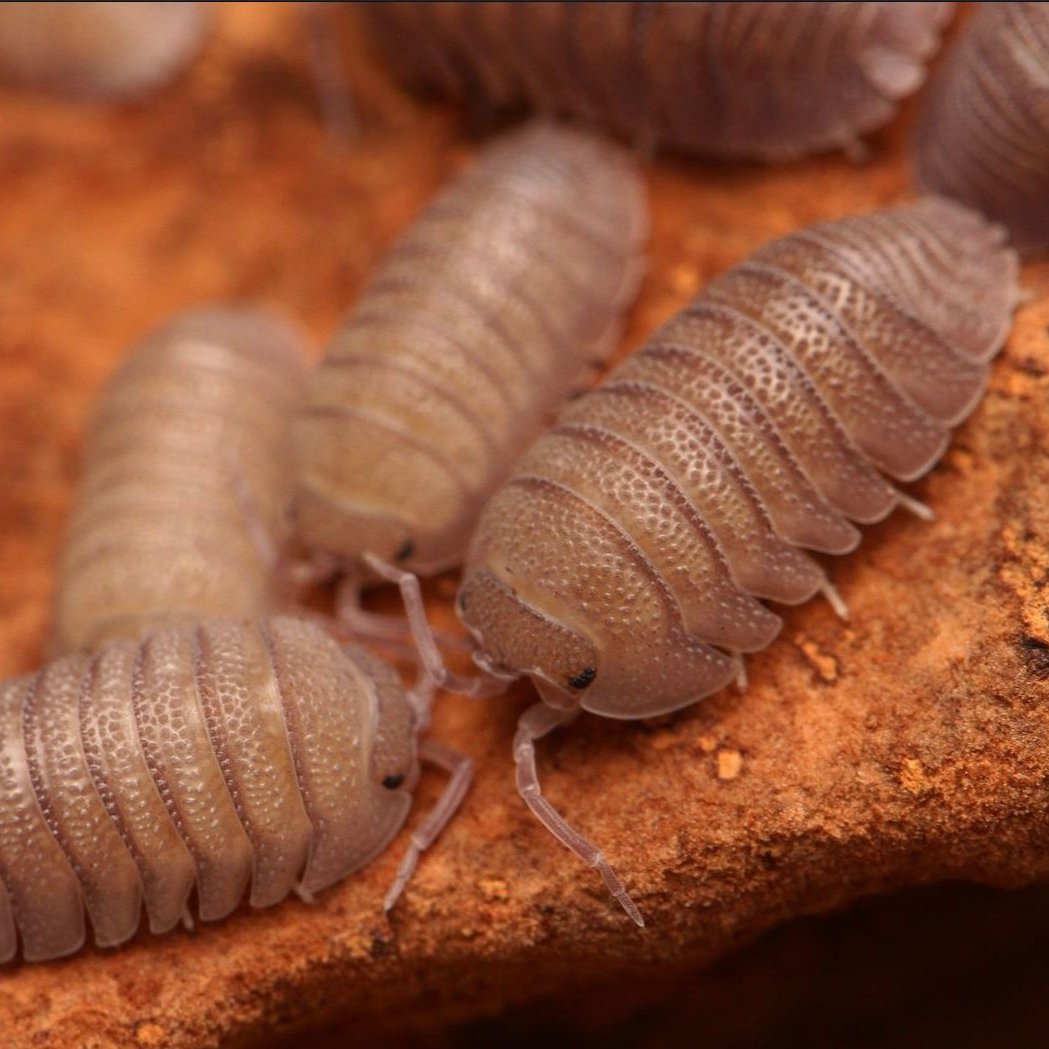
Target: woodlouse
(620,565)
(97,50)
(767,81)
(187,476)
(984,134)
(472,331)
(211,755)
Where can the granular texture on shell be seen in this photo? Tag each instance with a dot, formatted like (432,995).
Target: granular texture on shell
(767,81)
(217,756)
(470,335)
(984,133)
(97,50)
(186,479)
(622,564)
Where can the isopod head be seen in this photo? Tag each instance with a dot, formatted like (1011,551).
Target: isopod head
(629,665)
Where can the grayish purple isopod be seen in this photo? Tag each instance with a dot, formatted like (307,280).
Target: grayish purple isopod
(767,81)
(621,565)
(984,133)
(186,479)
(474,330)
(218,756)
(97,50)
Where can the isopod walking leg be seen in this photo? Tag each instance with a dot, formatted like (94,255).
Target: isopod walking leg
(535,723)
(386,629)
(461,769)
(429,655)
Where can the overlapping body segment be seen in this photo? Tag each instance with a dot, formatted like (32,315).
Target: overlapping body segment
(620,563)
(762,80)
(187,476)
(471,333)
(219,756)
(983,137)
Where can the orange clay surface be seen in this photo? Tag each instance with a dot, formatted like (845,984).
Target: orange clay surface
(905,746)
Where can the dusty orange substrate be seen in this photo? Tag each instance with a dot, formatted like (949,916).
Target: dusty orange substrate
(908,745)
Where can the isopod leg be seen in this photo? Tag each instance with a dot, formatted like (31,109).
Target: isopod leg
(429,655)
(536,722)
(390,630)
(460,768)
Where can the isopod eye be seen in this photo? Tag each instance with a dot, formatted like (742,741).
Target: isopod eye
(406,549)
(583,678)
(394,781)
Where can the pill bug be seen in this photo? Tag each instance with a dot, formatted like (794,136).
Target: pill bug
(983,137)
(767,81)
(621,564)
(97,50)
(214,755)
(187,476)
(473,330)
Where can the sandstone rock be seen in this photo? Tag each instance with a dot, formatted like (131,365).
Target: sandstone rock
(906,746)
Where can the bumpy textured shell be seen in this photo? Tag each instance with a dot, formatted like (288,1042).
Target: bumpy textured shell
(470,335)
(761,80)
(187,477)
(97,50)
(984,134)
(622,562)
(212,756)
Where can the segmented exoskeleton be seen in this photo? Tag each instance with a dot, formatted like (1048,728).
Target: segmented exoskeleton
(621,564)
(214,755)
(97,50)
(984,134)
(473,330)
(186,481)
(763,80)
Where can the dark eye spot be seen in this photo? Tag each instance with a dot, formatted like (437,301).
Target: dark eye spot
(583,678)
(393,782)
(406,549)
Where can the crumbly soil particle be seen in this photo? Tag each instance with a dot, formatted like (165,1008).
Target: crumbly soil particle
(928,759)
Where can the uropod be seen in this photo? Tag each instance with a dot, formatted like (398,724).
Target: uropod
(621,564)
(186,478)
(768,81)
(473,331)
(215,755)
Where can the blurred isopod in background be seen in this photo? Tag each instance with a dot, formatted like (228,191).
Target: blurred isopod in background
(98,50)
(984,132)
(768,81)
(186,479)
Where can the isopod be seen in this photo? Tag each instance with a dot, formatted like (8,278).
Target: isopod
(97,50)
(621,564)
(984,134)
(768,81)
(187,478)
(473,330)
(217,755)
